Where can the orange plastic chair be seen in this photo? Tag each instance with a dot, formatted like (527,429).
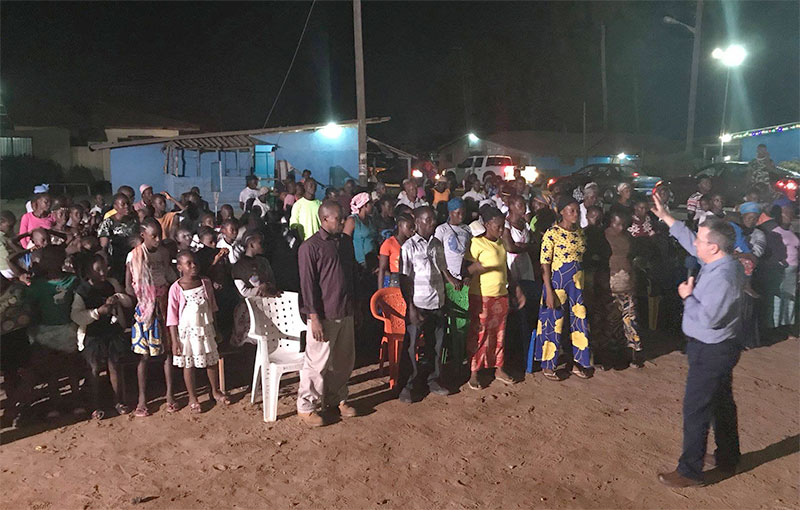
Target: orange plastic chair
(389,306)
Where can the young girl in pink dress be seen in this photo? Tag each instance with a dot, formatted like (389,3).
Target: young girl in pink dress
(190,319)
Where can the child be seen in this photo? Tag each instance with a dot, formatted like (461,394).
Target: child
(38,218)
(622,310)
(148,276)
(225,214)
(183,238)
(703,211)
(389,255)
(228,239)
(718,205)
(190,318)
(168,220)
(7,222)
(59,234)
(641,222)
(100,207)
(252,276)
(486,263)
(50,296)
(98,310)
(693,204)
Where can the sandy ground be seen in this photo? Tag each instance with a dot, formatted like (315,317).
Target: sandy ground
(574,444)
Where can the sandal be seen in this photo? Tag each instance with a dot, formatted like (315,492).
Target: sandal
(141,412)
(98,415)
(195,408)
(580,372)
(122,409)
(504,377)
(551,375)
(224,399)
(475,385)
(173,408)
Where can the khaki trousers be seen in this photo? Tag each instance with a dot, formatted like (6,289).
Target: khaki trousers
(327,366)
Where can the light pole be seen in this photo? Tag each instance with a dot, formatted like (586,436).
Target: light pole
(731,57)
(696,33)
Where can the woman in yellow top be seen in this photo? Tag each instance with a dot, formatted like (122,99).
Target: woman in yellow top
(485,262)
(563,246)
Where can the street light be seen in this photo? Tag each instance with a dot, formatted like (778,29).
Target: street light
(472,138)
(731,57)
(696,32)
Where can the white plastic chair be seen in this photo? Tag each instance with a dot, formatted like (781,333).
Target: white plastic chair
(276,325)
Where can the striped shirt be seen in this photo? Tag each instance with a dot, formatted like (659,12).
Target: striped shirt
(423,261)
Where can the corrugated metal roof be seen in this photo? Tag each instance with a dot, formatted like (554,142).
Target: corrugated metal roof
(229,142)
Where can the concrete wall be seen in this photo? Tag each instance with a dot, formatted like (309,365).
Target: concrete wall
(783,146)
(49,143)
(99,161)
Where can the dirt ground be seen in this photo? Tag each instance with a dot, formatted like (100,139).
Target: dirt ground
(574,444)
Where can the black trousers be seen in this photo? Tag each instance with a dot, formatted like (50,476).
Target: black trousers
(429,365)
(709,402)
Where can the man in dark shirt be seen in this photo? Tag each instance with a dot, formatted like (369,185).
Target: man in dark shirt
(327,285)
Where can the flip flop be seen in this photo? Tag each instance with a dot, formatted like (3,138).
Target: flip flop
(141,412)
(98,415)
(551,375)
(122,409)
(195,408)
(173,408)
(579,373)
(225,400)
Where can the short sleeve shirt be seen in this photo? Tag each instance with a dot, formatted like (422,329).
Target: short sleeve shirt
(694,202)
(455,240)
(391,248)
(246,194)
(519,264)
(492,256)
(561,246)
(423,262)
(52,299)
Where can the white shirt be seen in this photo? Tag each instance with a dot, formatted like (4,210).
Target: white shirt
(519,264)
(455,241)
(474,195)
(246,195)
(423,262)
(235,250)
(584,219)
(403,199)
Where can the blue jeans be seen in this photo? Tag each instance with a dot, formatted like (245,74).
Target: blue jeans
(709,402)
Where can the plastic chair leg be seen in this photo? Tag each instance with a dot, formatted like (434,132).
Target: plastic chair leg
(383,354)
(265,389)
(256,368)
(394,362)
(274,385)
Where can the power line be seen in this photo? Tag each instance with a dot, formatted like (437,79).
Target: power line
(290,64)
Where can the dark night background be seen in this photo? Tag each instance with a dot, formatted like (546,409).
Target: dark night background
(526,65)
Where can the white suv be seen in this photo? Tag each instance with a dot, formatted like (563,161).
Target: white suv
(502,166)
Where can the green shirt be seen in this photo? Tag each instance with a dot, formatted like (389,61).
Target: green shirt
(305,217)
(51,300)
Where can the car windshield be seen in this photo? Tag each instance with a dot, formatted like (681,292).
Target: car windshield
(467,163)
(785,172)
(498,161)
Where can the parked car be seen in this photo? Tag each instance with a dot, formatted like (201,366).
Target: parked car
(730,179)
(483,165)
(607,176)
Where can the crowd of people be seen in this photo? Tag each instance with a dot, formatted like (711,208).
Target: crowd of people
(498,281)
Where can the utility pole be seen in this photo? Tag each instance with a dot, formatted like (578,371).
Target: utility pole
(361,107)
(603,74)
(698,26)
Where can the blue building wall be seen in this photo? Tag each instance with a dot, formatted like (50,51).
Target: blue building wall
(323,155)
(783,146)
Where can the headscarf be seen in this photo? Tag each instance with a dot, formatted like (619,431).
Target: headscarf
(454,204)
(142,282)
(144,187)
(749,207)
(41,188)
(358,201)
(563,201)
(782,202)
(622,186)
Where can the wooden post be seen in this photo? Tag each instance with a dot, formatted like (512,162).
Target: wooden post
(603,74)
(361,108)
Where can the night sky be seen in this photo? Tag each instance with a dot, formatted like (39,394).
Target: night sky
(437,68)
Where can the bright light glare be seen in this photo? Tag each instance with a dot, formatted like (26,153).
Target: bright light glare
(733,56)
(726,137)
(726,158)
(331,130)
(530,174)
(472,137)
(508,172)
(416,173)
(622,155)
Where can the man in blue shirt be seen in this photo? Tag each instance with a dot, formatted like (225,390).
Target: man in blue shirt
(711,321)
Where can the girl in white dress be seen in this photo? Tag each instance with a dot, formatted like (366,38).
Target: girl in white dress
(190,318)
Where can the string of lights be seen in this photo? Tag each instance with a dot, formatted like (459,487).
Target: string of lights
(767,130)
